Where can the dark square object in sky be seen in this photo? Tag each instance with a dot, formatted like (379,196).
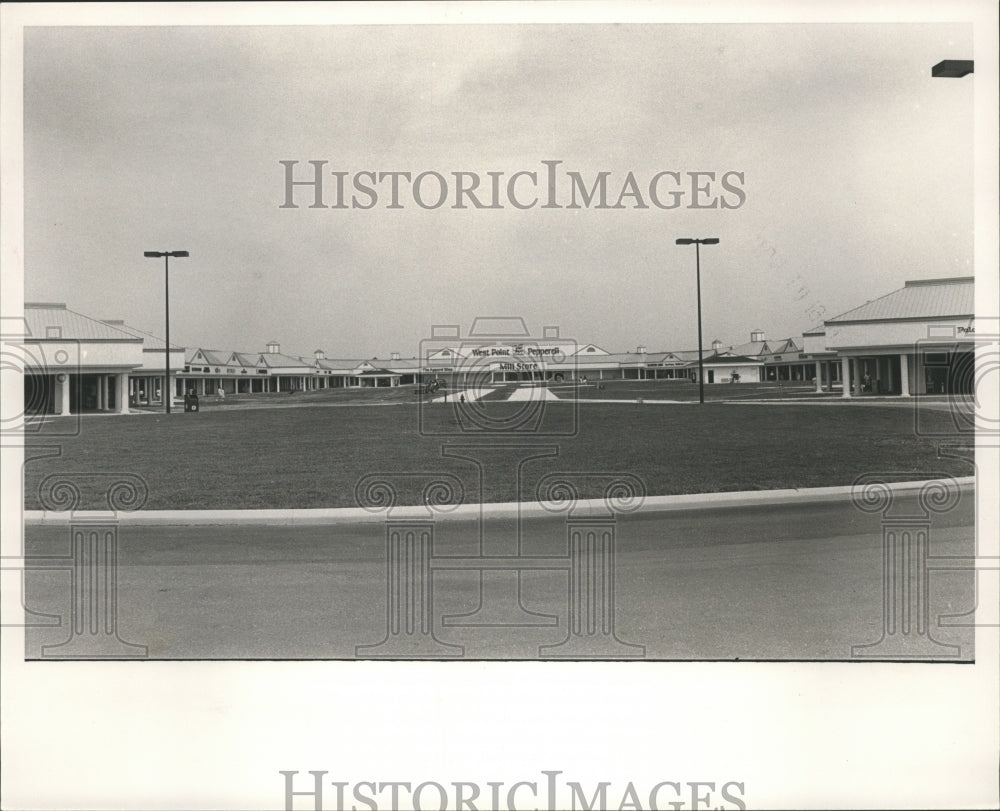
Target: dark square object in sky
(952,68)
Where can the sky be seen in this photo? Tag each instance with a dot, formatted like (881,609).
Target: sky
(856,167)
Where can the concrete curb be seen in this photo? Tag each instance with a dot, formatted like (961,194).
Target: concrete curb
(651,505)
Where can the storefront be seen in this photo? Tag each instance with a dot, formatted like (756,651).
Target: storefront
(75,364)
(917,340)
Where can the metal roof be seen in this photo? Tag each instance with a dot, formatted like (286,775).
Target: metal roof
(727,359)
(751,348)
(248,359)
(783,346)
(928,298)
(690,354)
(213,357)
(402,363)
(278,360)
(54,322)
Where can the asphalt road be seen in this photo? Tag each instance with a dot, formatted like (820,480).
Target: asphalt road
(760,583)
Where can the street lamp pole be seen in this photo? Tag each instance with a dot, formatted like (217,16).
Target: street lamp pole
(697,265)
(167,393)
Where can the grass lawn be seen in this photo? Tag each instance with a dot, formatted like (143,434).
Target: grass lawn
(686,391)
(339,396)
(314,456)
(682,390)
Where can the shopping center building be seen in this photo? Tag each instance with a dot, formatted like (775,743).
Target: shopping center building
(915,340)
(73,363)
(912,341)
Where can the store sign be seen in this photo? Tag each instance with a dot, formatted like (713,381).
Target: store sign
(516,350)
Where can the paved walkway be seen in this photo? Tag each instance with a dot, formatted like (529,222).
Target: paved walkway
(470,395)
(533,394)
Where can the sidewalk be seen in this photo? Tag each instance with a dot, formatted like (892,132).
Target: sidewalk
(650,505)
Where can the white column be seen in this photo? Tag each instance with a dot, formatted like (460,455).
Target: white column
(845,376)
(904,375)
(64,393)
(121,393)
(819,377)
